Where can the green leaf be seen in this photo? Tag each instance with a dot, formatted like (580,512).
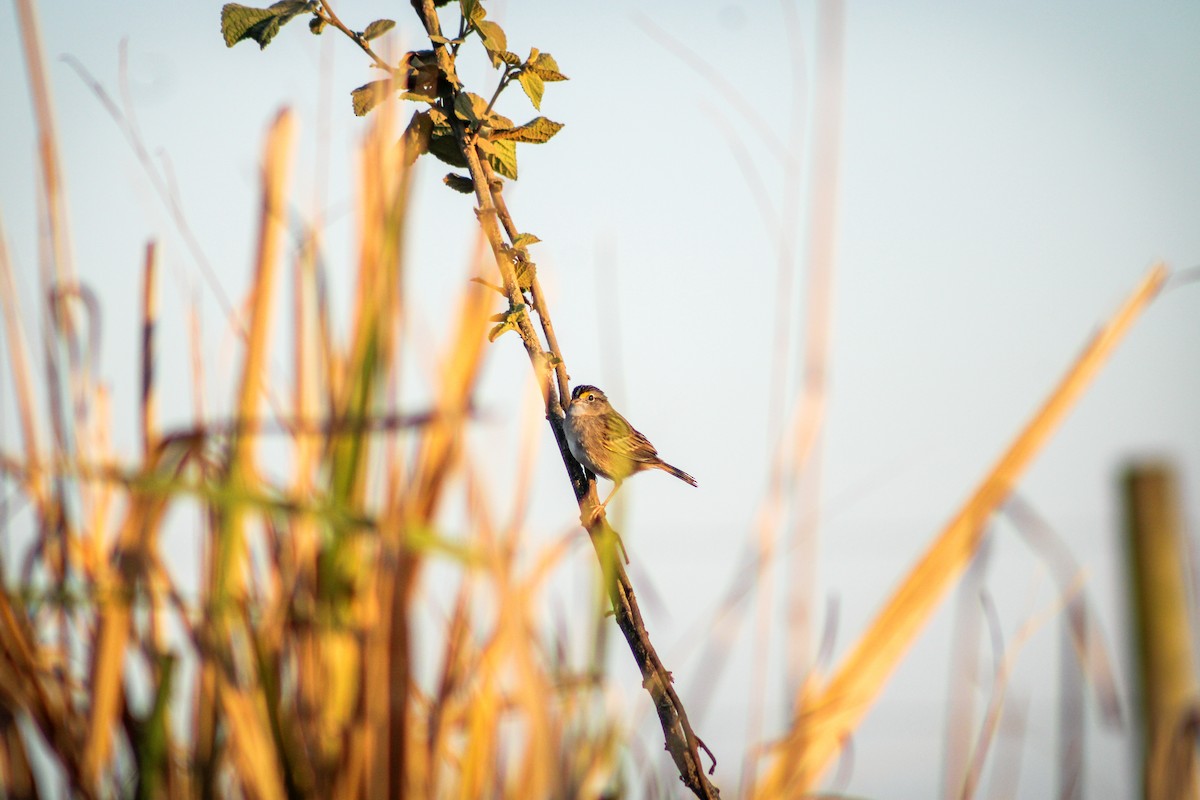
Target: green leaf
(240,22)
(378,28)
(464,109)
(545,66)
(496,332)
(531,82)
(523,268)
(416,137)
(494,40)
(525,271)
(504,159)
(445,148)
(369,95)
(417,98)
(497,121)
(469,107)
(472,10)
(508,321)
(523,240)
(536,131)
(459,183)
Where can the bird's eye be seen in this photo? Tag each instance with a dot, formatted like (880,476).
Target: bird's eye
(591,397)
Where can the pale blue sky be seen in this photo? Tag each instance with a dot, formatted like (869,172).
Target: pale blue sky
(1008,172)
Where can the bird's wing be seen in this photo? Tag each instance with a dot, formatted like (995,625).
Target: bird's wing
(627,441)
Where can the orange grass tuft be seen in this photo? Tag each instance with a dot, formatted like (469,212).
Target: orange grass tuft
(301,640)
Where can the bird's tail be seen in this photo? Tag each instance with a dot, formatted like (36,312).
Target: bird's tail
(677,472)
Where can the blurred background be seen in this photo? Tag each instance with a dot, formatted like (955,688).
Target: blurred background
(1004,175)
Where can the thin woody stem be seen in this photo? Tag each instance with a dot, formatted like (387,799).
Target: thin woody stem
(504,81)
(325,12)
(539,302)
(681,740)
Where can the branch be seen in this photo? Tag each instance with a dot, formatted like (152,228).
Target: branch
(325,12)
(495,187)
(681,740)
(504,81)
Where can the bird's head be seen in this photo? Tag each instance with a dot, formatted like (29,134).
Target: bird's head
(588,400)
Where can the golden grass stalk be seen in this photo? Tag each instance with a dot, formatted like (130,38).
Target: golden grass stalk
(825,716)
(56,265)
(277,156)
(18,354)
(251,743)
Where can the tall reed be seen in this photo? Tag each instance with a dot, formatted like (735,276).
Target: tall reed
(293,672)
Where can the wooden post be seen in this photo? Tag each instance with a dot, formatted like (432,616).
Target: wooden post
(1170,701)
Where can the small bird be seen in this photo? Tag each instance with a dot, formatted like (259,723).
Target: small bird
(605,443)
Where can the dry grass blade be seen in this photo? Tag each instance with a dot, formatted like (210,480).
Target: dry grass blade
(18,353)
(142,521)
(14,761)
(277,157)
(824,718)
(251,746)
(811,410)
(382,203)
(964,672)
(55,263)
(416,506)
(18,356)
(460,370)
(108,654)
(245,707)
(999,703)
(149,322)
(1014,733)
(1083,626)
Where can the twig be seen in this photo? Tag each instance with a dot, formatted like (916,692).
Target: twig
(539,302)
(681,740)
(504,81)
(325,12)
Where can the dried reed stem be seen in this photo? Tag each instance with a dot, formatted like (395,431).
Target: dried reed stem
(147,395)
(826,717)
